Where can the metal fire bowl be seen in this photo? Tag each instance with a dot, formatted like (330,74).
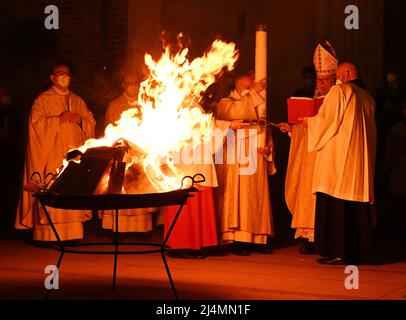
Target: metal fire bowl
(115,201)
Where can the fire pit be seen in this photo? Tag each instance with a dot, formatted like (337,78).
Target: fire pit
(98,194)
(135,164)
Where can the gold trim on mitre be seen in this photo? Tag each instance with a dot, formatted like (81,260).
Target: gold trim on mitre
(325,60)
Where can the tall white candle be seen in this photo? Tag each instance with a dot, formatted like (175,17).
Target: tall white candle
(261,73)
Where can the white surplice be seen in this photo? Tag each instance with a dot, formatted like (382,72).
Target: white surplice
(343,134)
(243,200)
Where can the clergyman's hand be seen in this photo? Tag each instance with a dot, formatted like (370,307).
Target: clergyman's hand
(71,117)
(264,150)
(75,118)
(238,124)
(64,117)
(304,121)
(285,127)
(259,86)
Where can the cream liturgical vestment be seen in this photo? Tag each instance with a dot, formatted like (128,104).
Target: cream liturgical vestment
(243,201)
(299,198)
(343,135)
(130,220)
(48,142)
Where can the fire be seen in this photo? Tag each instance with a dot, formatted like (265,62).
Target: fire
(171,117)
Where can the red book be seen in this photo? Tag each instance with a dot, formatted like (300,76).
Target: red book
(300,107)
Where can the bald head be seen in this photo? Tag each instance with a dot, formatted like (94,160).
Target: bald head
(346,72)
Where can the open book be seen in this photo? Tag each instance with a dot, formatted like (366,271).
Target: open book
(299,107)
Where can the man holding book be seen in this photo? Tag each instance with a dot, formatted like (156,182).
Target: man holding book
(299,198)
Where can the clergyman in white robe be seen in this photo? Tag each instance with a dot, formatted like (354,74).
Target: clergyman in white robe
(243,200)
(49,139)
(343,135)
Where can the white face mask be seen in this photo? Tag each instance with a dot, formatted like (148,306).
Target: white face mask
(244,92)
(63,81)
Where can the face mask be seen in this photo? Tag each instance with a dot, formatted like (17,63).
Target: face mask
(63,81)
(244,93)
(132,90)
(6,100)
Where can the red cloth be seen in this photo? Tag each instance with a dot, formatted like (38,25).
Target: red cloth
(196,225)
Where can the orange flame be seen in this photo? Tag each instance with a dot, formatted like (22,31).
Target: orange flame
(171,117)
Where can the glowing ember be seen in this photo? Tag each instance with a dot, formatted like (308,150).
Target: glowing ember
(170,115)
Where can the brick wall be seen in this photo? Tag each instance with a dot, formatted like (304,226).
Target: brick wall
(92,34)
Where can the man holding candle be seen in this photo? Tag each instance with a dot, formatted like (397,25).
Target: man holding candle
(244,206)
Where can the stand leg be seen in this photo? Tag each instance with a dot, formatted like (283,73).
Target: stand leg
(59,242)
(168,272)
(115,251)
(163,249)
(58,239)
(57,266)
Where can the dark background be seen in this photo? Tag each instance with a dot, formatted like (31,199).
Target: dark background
(103,38)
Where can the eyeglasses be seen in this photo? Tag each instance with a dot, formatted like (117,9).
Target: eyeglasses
(61,73)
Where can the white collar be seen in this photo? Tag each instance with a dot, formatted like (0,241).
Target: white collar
(238,96)
(60,92)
